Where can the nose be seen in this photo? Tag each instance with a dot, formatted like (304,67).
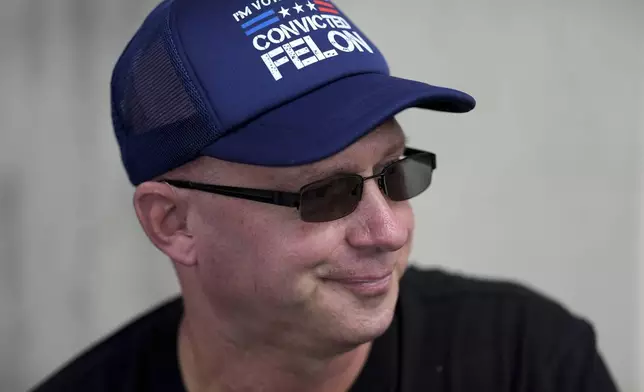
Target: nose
(377,223)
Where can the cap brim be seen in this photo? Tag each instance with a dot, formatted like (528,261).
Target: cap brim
(327,120)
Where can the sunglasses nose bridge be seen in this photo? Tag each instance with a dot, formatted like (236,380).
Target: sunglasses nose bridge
(380,181)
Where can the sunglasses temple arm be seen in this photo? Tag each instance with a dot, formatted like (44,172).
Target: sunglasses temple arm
(271,197)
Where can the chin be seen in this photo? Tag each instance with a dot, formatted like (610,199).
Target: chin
(368,319)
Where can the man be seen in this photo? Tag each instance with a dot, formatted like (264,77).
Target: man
(269,168)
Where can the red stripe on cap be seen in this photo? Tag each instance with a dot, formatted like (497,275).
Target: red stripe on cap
(329,10)
(323,3)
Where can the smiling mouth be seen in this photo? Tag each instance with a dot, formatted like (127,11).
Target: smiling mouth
(366,286)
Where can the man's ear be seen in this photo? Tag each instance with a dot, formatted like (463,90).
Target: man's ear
(163,216)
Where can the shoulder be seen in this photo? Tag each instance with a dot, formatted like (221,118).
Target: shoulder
(431,287)
(471,300)
(491,327)
(121,360)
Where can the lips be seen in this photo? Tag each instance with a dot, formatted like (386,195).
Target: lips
(361,279)
(365,285)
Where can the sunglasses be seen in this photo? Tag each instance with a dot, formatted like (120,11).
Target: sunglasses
(337,196)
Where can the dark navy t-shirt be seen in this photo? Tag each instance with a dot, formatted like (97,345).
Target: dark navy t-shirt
(450,333)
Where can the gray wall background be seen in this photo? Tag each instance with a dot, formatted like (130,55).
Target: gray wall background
(541,183)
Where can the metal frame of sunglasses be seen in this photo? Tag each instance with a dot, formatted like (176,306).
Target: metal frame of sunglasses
(297,199)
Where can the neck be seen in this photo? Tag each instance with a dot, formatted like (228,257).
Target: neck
(210,363)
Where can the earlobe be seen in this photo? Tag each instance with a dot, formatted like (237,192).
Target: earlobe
(163,217)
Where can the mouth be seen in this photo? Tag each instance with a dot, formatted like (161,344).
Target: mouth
(365,286)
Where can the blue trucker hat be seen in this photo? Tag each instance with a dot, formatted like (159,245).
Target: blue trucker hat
(261,82)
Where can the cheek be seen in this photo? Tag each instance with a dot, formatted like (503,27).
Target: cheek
(260,250)
(407,219)
(406,214)
(411,221)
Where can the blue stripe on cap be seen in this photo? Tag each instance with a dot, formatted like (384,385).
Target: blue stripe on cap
(261,26)
(258,18)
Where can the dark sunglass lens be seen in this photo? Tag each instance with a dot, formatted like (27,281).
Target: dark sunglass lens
(330,199)
(408,178)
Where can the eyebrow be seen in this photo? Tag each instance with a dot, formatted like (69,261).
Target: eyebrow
(310,174)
